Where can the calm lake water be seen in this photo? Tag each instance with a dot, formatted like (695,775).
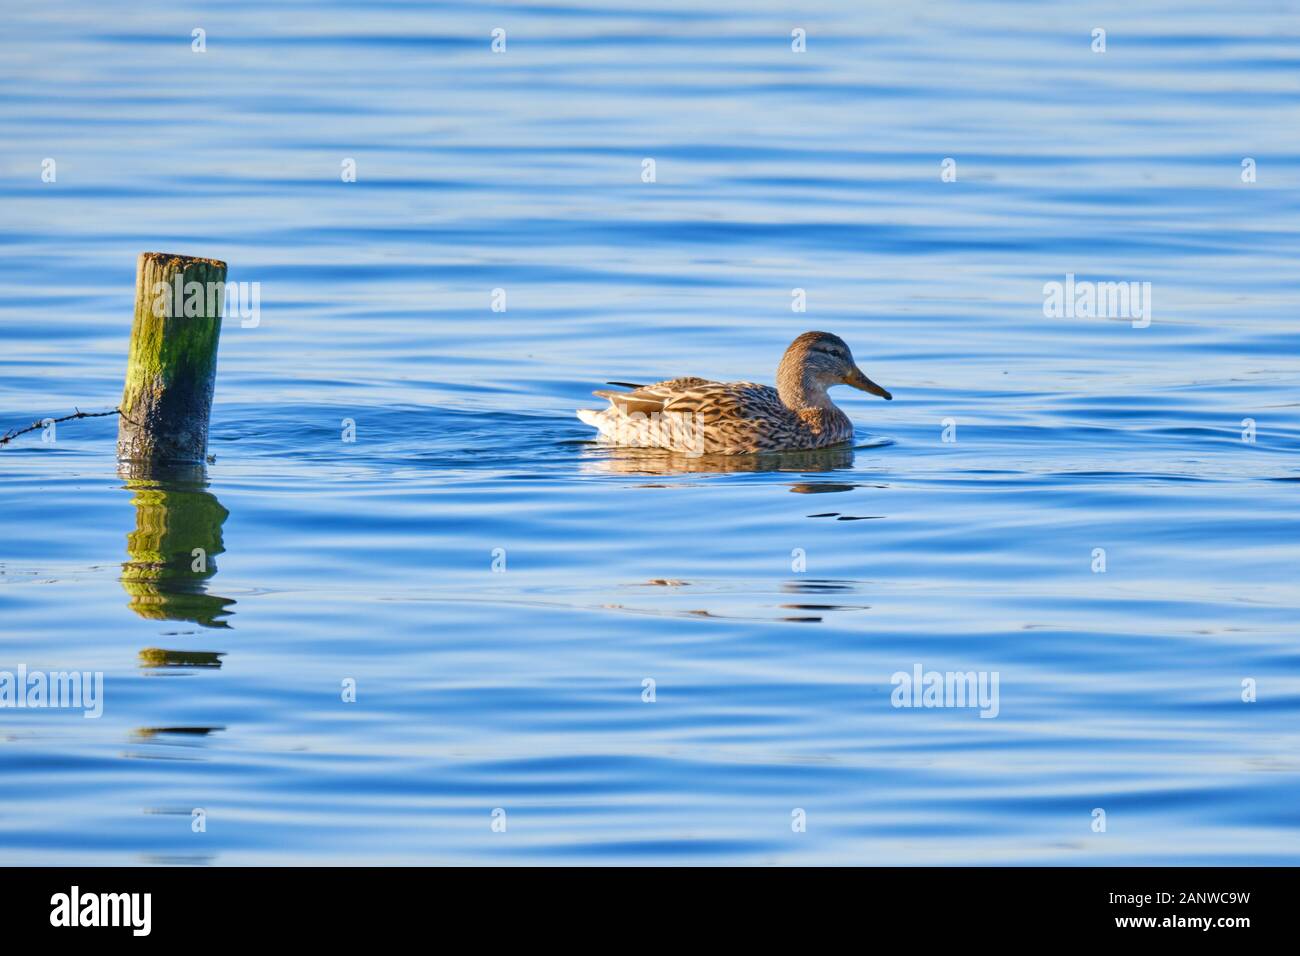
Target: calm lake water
(769,621)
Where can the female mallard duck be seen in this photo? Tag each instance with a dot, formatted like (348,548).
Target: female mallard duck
(696,416)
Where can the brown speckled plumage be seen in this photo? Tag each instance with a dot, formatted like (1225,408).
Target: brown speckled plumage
(697,416)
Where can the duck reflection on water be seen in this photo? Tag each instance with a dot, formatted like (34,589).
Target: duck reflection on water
(607,459)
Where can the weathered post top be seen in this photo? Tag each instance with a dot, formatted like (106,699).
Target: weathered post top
(172,366)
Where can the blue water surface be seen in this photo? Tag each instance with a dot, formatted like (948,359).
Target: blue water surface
(500,589)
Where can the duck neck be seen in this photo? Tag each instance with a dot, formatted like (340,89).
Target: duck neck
(799,391)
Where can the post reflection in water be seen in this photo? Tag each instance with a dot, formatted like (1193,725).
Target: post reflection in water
(172,551)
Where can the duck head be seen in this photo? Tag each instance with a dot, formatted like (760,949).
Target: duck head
(814,362)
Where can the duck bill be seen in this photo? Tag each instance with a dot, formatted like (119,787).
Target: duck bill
(860,381)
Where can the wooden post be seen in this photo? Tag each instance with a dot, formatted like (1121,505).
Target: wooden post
(173,359)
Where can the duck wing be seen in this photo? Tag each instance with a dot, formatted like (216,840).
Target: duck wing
(711,401)
(652,399)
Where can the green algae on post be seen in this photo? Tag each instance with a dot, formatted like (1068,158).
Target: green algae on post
(172,367)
